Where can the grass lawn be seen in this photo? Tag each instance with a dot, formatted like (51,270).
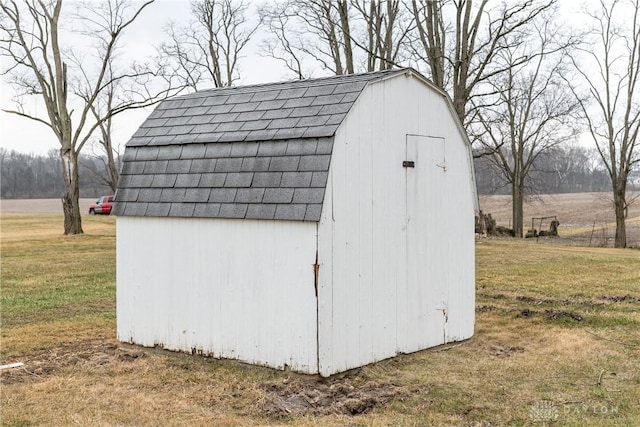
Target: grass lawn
(557,343)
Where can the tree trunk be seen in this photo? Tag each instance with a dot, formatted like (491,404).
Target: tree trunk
(517,212)
(70,199)
(619,204)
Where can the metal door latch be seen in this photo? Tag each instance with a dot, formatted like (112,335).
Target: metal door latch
(408,164)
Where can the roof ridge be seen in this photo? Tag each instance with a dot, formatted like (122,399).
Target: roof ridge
(316,81)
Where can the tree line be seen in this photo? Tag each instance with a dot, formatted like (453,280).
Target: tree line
(523,82)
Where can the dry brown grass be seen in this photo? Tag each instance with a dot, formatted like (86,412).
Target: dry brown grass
(557,341)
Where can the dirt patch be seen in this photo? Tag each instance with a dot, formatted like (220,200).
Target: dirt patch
(85,355)
(561,314)
(351,394)
(505,351)
(623,298)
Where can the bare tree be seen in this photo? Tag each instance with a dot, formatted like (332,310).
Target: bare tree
(460,39)
(530,111)
(31,39)
(609,67)
(209,48)
(342,36)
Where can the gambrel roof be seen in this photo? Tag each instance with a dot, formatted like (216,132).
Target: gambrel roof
(259,152)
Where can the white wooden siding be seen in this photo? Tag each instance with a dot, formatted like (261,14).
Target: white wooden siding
(241,289)
(389,284)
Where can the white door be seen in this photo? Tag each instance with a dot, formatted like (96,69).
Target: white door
(427,244)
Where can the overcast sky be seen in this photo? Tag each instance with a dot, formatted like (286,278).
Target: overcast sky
(24,135)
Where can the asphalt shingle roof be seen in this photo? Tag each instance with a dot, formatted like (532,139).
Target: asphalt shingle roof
(259,152)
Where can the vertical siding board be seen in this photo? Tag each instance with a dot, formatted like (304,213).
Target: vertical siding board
(237,289)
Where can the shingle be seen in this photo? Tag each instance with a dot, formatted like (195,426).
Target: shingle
(158,209)
(162,140)
(296,179)
(147,153)
(238,179)
(182,209)
(222,195)
(267,95)
(135,209)
(350,97)
(320,90)
(270,105)
(275,148)
(187,180)
(192,102)
(301,146)
(203,165)
(335,119)
(313,212)
(281,113)
(314,163)
(267,179)
(298,103)
(177,121)
(290,133)
(174,112)
(228,165)
(215,99)
(290,212)
(224,118)
(261,135)
(140,133)
(312,121)
(245,106)
(325,145)
(155,114)
(286,163)
(158,131)
(141,181)
(328,99)
(319,179)
(239,98)
(197,195)
(205,128)
(277,195)
(206,210)
(335,109)
(256,125)
(283,123)
(126,181)
(149,195)
(132,168)
(169,104)
(255,164)
(170,153)
(261,211)
(163,180)
(233,210)
(139,142)
(179,166)
(292,93)
(130,153)
(172,194)
(193,151)
(308,195)
(244,149)
(212,180)
(208,137)
(217,150)
(155,166)
(229,126)
(305,111)
(350,87)
(249,195)
(198,111)
(319,131)
(219,109)
(234,136)
(250,116)
(127,194)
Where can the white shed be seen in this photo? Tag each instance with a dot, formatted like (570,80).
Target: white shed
(316,225)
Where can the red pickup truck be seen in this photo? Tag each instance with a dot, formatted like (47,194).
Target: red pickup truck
(102,206)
